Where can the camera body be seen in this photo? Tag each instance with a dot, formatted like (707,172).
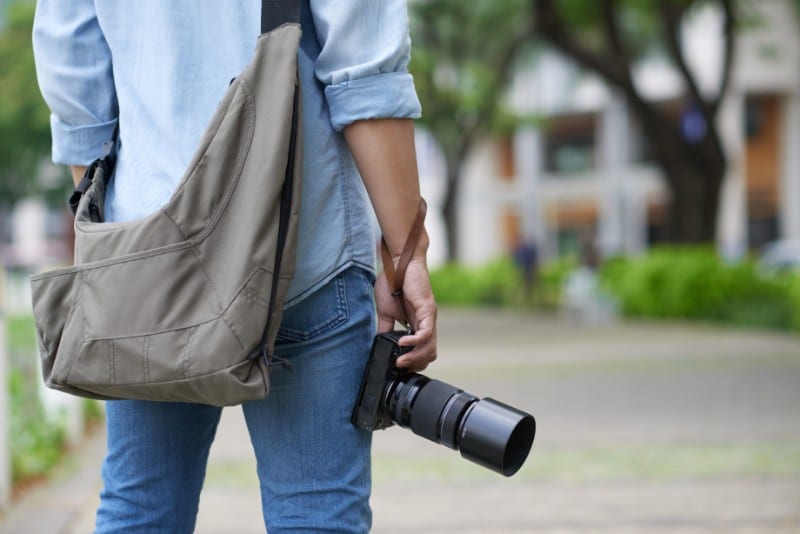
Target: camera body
(485,431)
(370,412)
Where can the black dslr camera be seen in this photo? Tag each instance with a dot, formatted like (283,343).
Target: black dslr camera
(487,432)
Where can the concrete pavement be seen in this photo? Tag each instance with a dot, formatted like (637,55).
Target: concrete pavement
(641,427)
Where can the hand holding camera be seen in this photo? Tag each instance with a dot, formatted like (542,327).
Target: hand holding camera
(485,431)
(418,299)
(403,294)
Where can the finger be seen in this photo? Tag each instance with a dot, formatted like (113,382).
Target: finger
(420,336)
(417,337)
(385,323)
(414,366)
(419,358)
(387,319)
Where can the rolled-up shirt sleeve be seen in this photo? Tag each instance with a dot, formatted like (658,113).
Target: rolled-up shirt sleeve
(73,67)
(363,63)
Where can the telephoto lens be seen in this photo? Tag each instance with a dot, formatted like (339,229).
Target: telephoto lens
(485,431)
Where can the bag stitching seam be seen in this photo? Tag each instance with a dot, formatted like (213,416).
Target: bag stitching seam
(202,268)
(146,358)
(198,324)
(165,382)
(248,106)
(112,364)
(186,353)
(248,110)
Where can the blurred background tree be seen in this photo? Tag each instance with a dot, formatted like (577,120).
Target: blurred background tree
(24,117)
(464,54)
(608,38)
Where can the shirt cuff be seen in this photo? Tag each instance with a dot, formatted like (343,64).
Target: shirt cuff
(79,145)
(388,95)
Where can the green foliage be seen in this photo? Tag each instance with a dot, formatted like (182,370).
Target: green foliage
(92,412)
(638,21)
(24,117)
(500,283)
(550,283)
(794,293)
(21,334)
(693,283)
(495,284)
(462,56)
(35,441)
(668,282)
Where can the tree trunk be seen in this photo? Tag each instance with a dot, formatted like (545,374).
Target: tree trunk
(693,172)
(694,205)
(450,210)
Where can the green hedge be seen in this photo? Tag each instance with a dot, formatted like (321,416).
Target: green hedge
(36,443)
(794,292)
(667,282)
(499,283)
(494,284)
(552,276)
(694,283)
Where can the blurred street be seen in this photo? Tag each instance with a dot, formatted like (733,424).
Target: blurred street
(641,427)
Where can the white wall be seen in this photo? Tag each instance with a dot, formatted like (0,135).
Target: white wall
(484,198)
(790,168)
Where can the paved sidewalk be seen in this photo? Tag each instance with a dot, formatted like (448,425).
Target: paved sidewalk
(63,504)
(641,427)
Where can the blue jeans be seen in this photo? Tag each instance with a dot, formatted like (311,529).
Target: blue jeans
(313,464)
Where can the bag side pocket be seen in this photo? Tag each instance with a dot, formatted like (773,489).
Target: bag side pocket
(59,321)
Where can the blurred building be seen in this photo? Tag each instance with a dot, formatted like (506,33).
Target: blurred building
(585,173)
(32,236)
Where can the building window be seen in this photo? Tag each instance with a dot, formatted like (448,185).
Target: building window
(570,144)
(762,167)
(505,158)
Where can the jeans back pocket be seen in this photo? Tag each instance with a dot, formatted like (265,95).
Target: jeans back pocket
(325,310)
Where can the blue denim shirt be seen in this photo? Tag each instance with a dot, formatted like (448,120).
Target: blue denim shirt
(160,68)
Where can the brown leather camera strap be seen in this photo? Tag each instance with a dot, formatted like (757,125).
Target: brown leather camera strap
(396,275)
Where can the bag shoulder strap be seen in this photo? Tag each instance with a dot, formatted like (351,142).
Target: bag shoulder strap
(277,12)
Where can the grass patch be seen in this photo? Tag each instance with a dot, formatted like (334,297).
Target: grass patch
(232,474)
(658,463)
(567,465)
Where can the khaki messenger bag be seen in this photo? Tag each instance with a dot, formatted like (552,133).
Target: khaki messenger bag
(185,304)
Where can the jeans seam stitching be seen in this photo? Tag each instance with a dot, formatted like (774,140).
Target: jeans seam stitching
(340,317)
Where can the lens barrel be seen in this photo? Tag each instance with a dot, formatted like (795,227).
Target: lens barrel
(485,431)
(497,436)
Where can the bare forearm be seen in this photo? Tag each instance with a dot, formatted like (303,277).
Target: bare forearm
(384,153)
(77,173)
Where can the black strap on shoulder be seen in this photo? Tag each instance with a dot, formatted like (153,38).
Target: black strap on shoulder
(264,349)
(277,12)
(106,163)
(273,14)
